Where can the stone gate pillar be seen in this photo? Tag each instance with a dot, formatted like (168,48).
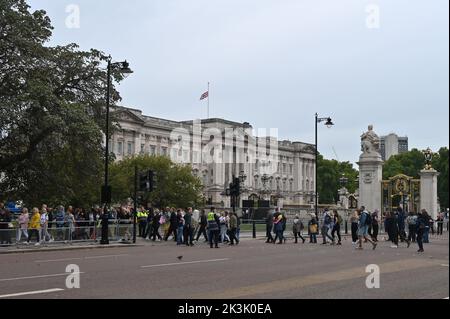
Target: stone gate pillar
(370,171)
(428,191)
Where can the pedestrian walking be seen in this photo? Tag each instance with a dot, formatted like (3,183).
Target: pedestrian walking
(23,220)
(278,227)
(422,222)
(313,229)
(142,221)
(327,225)
(157,221)
(45,236)
(172,226)
(375,225)
(363,228)
(337,221)
(354,220)
(35,226)
(411,221)
(428,226)
(269,226)
(297,228)
(213,228)
(60,219)
(203,223)
(223,227)
(188,228)
(440,224)
(180,227)
(233,229)
(5,227)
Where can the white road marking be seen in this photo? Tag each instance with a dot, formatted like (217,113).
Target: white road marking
(186,263)
(78,258)
(106,256)
(444,265)
(56,260)
(41,276)
(31,293)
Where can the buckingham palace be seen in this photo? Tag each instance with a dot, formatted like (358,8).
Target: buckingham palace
(218,149)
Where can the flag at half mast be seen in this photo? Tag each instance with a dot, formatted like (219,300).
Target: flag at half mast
(204,95)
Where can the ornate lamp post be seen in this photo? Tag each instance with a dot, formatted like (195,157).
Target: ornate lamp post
(124,68)
(328,123)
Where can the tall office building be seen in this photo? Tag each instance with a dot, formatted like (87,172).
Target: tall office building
(392,144)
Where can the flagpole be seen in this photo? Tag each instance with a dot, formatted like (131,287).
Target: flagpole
(208,99)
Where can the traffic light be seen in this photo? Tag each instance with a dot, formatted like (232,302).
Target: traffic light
(237,186)
(152,180)
(147,181)
(144,182)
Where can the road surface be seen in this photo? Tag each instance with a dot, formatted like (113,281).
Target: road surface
(252,270)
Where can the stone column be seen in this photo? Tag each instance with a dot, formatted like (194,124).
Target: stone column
(370,177)
(428,191)
(137,142)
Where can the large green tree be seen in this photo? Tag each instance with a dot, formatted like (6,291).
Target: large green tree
(51,114)
(176,186)
(329,174)
(412,162)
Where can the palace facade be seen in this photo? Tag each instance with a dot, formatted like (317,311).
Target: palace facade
(219,149)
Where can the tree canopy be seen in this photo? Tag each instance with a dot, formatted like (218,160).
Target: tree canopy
(176,186)
(51,111)
(412,162)
(329,173)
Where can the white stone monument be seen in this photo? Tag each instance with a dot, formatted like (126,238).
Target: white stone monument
(370,171)
(428,186)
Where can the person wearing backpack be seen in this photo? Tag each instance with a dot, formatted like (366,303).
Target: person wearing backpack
(338,221)
(411,220)
(326,226)
(422,222)
(313,229)
(375,225)
(363,228)
(297,228)
(60,223)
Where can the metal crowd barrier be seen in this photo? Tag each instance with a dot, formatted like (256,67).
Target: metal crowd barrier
(119,230)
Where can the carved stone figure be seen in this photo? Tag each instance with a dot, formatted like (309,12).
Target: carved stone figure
(370,142)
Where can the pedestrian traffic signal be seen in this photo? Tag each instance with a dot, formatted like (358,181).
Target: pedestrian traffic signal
(237,186)
(144,182)
(153,181)
(147,181)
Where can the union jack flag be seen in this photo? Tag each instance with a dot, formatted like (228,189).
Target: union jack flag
(204,95)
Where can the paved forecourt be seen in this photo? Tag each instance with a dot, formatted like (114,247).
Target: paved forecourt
(251,270)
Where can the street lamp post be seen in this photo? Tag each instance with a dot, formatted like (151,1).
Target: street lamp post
(329,124)
(123,68)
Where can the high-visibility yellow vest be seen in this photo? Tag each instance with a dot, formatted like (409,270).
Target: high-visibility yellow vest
(211,216)
(142,214)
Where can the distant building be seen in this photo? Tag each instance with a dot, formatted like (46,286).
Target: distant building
(291,182)
(392,144)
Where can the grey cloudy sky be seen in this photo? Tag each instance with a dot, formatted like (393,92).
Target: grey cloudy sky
(275,63)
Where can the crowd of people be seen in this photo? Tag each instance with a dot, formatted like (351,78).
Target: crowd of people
(364,227)
(186,226)
(48,224)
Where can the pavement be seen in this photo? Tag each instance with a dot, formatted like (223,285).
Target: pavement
(251,270)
